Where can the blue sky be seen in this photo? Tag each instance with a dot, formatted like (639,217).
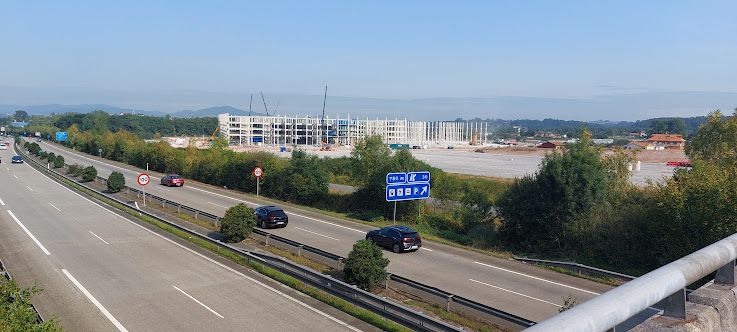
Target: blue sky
(376,49)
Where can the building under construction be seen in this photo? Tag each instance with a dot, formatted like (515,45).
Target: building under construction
(306,130)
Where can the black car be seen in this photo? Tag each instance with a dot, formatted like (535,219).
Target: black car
(397,238)
(271,216)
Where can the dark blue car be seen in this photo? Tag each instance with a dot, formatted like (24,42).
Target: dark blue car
(16,160)
(396,238)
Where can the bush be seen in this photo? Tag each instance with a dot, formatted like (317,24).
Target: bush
(365,265)
(59,162)
(89,173)
(51,157)
(115,182)
(237,223)
(16,313)
(75,169)
(42,154)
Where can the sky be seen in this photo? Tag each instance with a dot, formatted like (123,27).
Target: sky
(149,54)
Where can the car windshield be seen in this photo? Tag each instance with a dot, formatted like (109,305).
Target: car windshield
(175,176)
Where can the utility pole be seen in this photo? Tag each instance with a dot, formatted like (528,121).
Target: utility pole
(322,119)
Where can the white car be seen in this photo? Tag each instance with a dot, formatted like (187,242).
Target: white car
(3,146)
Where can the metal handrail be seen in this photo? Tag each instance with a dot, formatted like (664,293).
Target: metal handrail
(666,284)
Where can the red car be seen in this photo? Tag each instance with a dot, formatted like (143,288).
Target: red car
(172,180)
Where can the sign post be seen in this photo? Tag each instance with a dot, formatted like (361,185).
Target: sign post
(407,186)
(258,173)
(143,180)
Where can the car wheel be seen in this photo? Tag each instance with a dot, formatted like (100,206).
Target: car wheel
(396,249)
(263,224)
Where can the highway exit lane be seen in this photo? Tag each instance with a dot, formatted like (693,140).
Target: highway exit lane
(514,287)
(135,278)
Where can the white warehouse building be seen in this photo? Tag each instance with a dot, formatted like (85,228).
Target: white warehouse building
(306,130)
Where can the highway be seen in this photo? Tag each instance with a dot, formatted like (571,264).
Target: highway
(103,272)
(517,288)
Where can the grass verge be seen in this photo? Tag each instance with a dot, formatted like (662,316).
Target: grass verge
(336,302)
(455,317)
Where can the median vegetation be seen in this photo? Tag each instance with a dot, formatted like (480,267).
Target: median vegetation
(16,311)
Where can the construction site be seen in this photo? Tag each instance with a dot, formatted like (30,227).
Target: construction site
(330,132)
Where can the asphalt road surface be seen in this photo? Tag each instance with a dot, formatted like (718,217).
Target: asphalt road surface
(517,288)
(103,272)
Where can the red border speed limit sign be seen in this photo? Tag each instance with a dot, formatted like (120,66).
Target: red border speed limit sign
(143,179)
(258,172)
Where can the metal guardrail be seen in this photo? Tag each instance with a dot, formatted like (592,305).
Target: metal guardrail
(665,285)
(350,293)
(577,267)
(6,274)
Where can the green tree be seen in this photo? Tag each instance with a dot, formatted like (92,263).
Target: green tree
(89,173)
(365,265)
(21,115)
(237,223)
(716,140)
(59,161)
(537,209)
(116,182)
(16,313)
(51,157)
(307,178)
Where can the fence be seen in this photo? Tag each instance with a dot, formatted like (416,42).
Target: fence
(403,315)
(451,302)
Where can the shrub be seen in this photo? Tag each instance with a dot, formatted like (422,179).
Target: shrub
(16,313)
(89,173)
(74,169)
(59,162)
(115,182)
(42,154)
(51,157)
(365,265)
(237,223)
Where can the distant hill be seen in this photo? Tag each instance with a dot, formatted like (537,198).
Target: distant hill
(87,108)
(61,109)
(212,111)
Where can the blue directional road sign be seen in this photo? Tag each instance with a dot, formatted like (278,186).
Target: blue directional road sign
(395,178)
(407,191)
(418,177)
(61,136)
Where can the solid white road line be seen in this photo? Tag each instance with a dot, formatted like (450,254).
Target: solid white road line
(222,206)
(29,233)
(98,237)
(94,301)
(304,230)
(537,278)
(513,292)
(305,305)
(1,202)
(198,302)
(52,205)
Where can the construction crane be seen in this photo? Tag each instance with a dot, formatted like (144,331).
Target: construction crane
(214,132)
(325,146)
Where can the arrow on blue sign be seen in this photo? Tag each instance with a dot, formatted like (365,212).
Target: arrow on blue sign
(407,191)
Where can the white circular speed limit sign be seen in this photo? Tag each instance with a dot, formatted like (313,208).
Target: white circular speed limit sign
(143,179)
(258,172)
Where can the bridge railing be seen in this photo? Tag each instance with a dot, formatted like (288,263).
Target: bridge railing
(664,288)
